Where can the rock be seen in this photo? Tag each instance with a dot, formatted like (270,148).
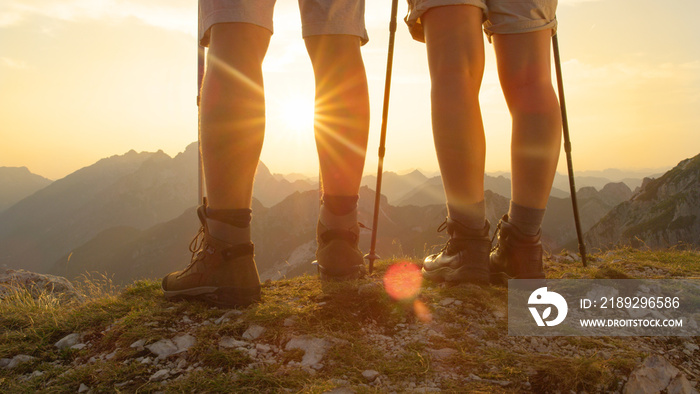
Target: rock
(79,346)
(290,321)
(680,385)
(138,344)
(314,349)
(4,362)
(68,341)
(652,376)
(228,315)
(167,347)
(370,375)
(161,374)
(37,284)
(83,388)
(184,342)
(19,359)
(229,342)
(253,332)
(447,301)
(163,348)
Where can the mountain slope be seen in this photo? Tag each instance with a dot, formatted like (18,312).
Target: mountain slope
(559,228)
(431,191)
(663,213)
(348,337)
(41,227)
(17,183)
(134,190)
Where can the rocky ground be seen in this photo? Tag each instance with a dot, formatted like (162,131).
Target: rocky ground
(338,338)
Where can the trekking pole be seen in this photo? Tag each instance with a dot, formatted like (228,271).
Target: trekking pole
(200,77)
(382,139)
(567,148)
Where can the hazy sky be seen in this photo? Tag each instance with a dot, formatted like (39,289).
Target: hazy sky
(85,79)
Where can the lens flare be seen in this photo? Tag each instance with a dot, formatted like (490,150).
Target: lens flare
(422,311)
(402,281)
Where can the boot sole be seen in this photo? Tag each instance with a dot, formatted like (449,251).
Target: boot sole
(459,275)
(226,297)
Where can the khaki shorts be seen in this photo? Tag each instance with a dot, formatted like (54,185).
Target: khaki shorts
(318,17)
(500,16)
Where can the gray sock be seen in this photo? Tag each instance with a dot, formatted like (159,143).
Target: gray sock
(331,220)
(527,220)
(471,216)
(228,233)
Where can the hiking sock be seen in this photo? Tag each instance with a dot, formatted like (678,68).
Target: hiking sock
(527,220)
(230,225)
(340,205)
(471,216)
(339,211)
(235,217)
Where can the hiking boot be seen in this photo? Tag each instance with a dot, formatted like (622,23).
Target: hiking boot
(338,254)
(464,258)
(516,255)
(219,273)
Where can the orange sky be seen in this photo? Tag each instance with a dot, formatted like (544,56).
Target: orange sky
(83,80)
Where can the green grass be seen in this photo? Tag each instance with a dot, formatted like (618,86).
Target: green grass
(364,328)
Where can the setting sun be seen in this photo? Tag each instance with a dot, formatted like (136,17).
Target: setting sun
(295,112)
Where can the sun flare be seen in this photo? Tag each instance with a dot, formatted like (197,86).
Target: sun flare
(295,113)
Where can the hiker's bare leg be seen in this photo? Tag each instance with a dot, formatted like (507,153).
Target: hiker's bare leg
(525,75)
(456,60)
(233,113)
(341,121)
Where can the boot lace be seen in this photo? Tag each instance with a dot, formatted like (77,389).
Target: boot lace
(497,233)
(197,247)
(448,245)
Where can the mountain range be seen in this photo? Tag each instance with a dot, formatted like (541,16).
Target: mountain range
(18,183)
(664,212)
(133,216)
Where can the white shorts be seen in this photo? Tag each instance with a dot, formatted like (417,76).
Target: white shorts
(318,17)
(500,16)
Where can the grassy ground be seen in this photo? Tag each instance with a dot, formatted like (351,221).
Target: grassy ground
(447,338)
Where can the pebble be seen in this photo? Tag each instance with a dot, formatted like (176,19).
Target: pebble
(138,344)
(229,342)
(290,321)
(253,332)
(68,341)
(160,375)
(447,301)
(226,316)
(370,375)
(19,359)
(314,349)
(83,388)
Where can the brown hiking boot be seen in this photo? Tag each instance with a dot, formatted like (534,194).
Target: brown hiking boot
(464,258)
(338,254)
(219,273)
(515,256)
